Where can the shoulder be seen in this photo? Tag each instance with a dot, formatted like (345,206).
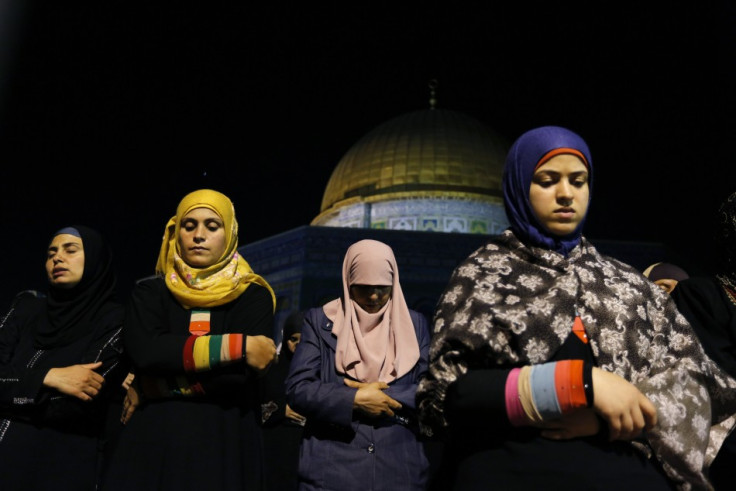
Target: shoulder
(315,315)
(25,306)
(149,283)
(28,298)
(421,325)
(700,287)
(148,288)
(417,317)
(707,283)
(595,258)
(255,294)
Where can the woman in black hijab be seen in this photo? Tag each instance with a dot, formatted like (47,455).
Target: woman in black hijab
(283,427)
(60,357)
(709,304)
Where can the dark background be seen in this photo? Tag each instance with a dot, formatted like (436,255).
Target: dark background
(111,112)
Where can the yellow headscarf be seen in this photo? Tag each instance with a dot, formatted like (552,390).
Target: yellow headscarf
(214,285)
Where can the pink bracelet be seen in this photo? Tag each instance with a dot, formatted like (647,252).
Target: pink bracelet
(514,409)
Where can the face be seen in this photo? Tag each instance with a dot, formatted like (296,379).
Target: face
(666,284)
(65,261)
(293,341)
(559,194)
(371,298)
(201,238)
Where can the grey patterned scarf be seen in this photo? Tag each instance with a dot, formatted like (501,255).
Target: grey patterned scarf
(510,305)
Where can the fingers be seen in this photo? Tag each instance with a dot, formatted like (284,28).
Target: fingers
(128,409)
(628,426)
(260,352)
(649,412)
(627,411)
(128,381)
(357,385)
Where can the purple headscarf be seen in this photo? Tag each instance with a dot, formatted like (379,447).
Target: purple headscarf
(525,154)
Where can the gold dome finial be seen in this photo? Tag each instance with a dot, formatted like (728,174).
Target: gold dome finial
(433,93)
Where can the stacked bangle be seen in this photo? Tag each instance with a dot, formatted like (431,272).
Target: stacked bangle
(544,392)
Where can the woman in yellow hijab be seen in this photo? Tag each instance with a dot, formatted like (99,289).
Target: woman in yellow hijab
(199,336)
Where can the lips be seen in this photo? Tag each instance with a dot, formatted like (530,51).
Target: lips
(565,213)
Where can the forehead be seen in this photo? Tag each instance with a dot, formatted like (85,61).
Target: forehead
(200,214)
(563,162)
(64,240)
(367,289)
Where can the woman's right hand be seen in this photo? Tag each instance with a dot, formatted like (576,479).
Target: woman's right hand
(260,352)
(80,381)
(370,399)
(627,411)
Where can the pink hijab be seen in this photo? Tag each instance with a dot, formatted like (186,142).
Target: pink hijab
(372,347)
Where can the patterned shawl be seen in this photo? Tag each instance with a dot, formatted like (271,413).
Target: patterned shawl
(510,305)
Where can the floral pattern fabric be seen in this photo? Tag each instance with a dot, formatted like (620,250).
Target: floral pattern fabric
(511,305)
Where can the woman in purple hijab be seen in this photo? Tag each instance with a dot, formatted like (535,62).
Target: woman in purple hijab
(553,366)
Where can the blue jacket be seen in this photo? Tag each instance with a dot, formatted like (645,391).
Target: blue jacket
(341,450)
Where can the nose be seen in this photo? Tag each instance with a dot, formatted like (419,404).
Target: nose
(564,191)
(199,234)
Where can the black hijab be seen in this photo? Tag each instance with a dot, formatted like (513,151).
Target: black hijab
(73,312)
(292,325)
(726,241)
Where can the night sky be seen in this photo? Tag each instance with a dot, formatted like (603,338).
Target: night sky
(110,113)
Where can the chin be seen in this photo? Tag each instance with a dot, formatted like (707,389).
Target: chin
(198,262)
(563,229)
(64,285)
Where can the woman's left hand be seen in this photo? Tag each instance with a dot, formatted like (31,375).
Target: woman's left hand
(130,403)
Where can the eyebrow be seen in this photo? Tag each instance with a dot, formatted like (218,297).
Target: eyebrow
(552,171)
(64,245)
(549,172)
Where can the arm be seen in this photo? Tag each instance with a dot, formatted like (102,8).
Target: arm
(170,362)
(19,386)
(68,390)
(313,390)
(153,345)
(399,397)
(156,331)
(102,367)
(406,393)
(105,351)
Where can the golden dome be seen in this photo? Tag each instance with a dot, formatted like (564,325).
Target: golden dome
(429,153)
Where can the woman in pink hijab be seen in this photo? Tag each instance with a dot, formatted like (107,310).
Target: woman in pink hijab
(354,377)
